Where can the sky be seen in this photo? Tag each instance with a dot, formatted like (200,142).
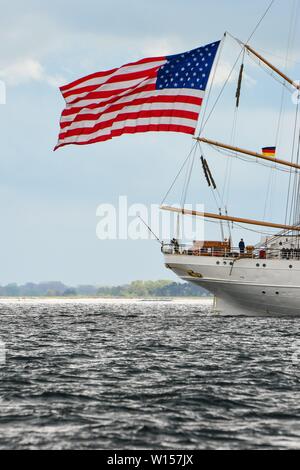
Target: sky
(48,200)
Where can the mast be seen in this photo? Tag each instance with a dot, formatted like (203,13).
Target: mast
(272,67)
(208,215)
(248,152)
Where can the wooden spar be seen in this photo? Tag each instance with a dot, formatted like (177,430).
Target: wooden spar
(208,215)
(272,67)
(247,152)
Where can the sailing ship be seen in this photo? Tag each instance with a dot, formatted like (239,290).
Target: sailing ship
(166,94)
(264,278)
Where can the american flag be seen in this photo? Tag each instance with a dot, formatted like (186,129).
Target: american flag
(155,94)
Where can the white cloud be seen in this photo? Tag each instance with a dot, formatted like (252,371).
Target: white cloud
(223,73)
(54,80)
(161,46)
(25,70)
(250,81)
(21,71)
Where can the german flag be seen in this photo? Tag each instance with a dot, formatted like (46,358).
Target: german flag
(269,151)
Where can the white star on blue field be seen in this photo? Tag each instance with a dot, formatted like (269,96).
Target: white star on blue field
(188,70)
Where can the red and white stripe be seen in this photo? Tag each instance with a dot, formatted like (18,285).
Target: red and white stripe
(125,100)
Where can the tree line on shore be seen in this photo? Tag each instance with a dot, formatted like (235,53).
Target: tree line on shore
(137,289)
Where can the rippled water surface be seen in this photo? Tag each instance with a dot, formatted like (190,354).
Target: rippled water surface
(146,375)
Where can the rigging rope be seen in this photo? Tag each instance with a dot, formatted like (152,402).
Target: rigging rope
(228,174)
(297,188)
(291,199)
(273,173)
(235,224)
(270,72)
(212,83)
(261,20)
(205,121)
(188,179)
(264,51)
(290,207)
(179,173)
(216,191)
(234,66)
(233,154)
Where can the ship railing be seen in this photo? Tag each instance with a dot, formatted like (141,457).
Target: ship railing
(233,252)
(189,250)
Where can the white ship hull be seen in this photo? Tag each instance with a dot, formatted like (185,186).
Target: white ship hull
(250,287)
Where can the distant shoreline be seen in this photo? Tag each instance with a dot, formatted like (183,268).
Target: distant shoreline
(105,299)
(161,289)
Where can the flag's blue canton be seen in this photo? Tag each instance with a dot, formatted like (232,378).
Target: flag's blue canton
(188,70)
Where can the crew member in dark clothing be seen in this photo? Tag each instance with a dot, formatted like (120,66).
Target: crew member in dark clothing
(242,246)
(175,244)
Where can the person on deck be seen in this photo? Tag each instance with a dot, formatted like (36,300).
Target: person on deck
(175,244)
(242,247)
